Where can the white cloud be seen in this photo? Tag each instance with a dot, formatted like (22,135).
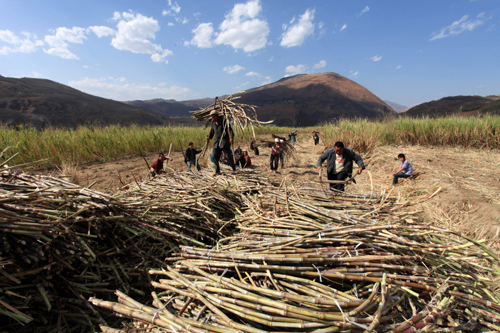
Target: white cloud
(102,31)
(170,24)
(353,73)
(252,74)
(267,80)
(363,11)
(203,35)
(297,33)
(134,34)
(27,45)
(320,64)
(242,30)
(120,91)
(233,69)
(460,26)
(176,8)
(343,27)
(376,58)
(293,70)
(116,16)
(399,67)
(59,41)
(271,59)
(36,75)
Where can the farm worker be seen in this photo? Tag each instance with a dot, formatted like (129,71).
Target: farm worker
(238,151)
(190,157)
(282,153)
(291,137)
(316,137)
(339,163)
(275,154)
(405,169)
(224,136)
(157,166)
(247,162)
(253,146)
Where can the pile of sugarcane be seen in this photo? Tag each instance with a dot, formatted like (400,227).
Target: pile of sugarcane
(61,243)
(240,115)
(303,262)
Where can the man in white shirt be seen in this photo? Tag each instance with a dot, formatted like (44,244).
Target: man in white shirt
(339,164)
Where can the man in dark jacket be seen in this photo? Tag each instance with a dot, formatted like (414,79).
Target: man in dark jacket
(223,132)
(339,164)
(190,157)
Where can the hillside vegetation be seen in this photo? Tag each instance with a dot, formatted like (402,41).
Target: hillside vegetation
(44,103)
(459,105)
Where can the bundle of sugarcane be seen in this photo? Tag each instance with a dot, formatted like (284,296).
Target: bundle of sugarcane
(240,115)
(307,267)
(61,243)
(287,148)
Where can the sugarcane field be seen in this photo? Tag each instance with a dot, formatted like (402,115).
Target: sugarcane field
(274,240)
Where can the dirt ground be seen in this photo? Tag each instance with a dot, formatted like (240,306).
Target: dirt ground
(468,180)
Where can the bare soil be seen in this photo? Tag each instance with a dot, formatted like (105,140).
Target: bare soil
(468,179)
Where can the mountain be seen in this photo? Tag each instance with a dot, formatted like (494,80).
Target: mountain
(396,107)
(312,99)
(462,105)
(170,108)
(40,103)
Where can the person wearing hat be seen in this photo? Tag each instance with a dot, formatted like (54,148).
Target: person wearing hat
(190,157)
(275,154)
(223,132)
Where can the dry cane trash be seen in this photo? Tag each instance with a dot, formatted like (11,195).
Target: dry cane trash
(306,262)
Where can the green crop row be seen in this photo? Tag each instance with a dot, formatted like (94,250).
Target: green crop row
(86,144)
(467,132)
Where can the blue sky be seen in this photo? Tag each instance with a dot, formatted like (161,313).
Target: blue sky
(408,52)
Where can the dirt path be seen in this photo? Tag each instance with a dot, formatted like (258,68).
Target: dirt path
(469,199)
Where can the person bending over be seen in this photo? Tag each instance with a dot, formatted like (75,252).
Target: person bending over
(157,166)
(405,169)
(340,163)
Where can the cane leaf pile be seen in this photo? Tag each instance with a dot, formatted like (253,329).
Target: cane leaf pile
(304,261)
(61,243)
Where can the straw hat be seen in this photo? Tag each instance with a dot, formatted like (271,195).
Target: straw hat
(276,140)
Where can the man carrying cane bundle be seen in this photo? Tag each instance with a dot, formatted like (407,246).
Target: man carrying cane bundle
(339,164)
(223,132)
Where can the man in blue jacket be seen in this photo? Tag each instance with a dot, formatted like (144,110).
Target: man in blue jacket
(340,163)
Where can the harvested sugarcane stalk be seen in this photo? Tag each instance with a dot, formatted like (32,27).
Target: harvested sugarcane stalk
(307,263)
(240,115)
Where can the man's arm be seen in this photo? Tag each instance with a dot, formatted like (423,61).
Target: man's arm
(322,158)
(211,134)
(359,161)
(398,171)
